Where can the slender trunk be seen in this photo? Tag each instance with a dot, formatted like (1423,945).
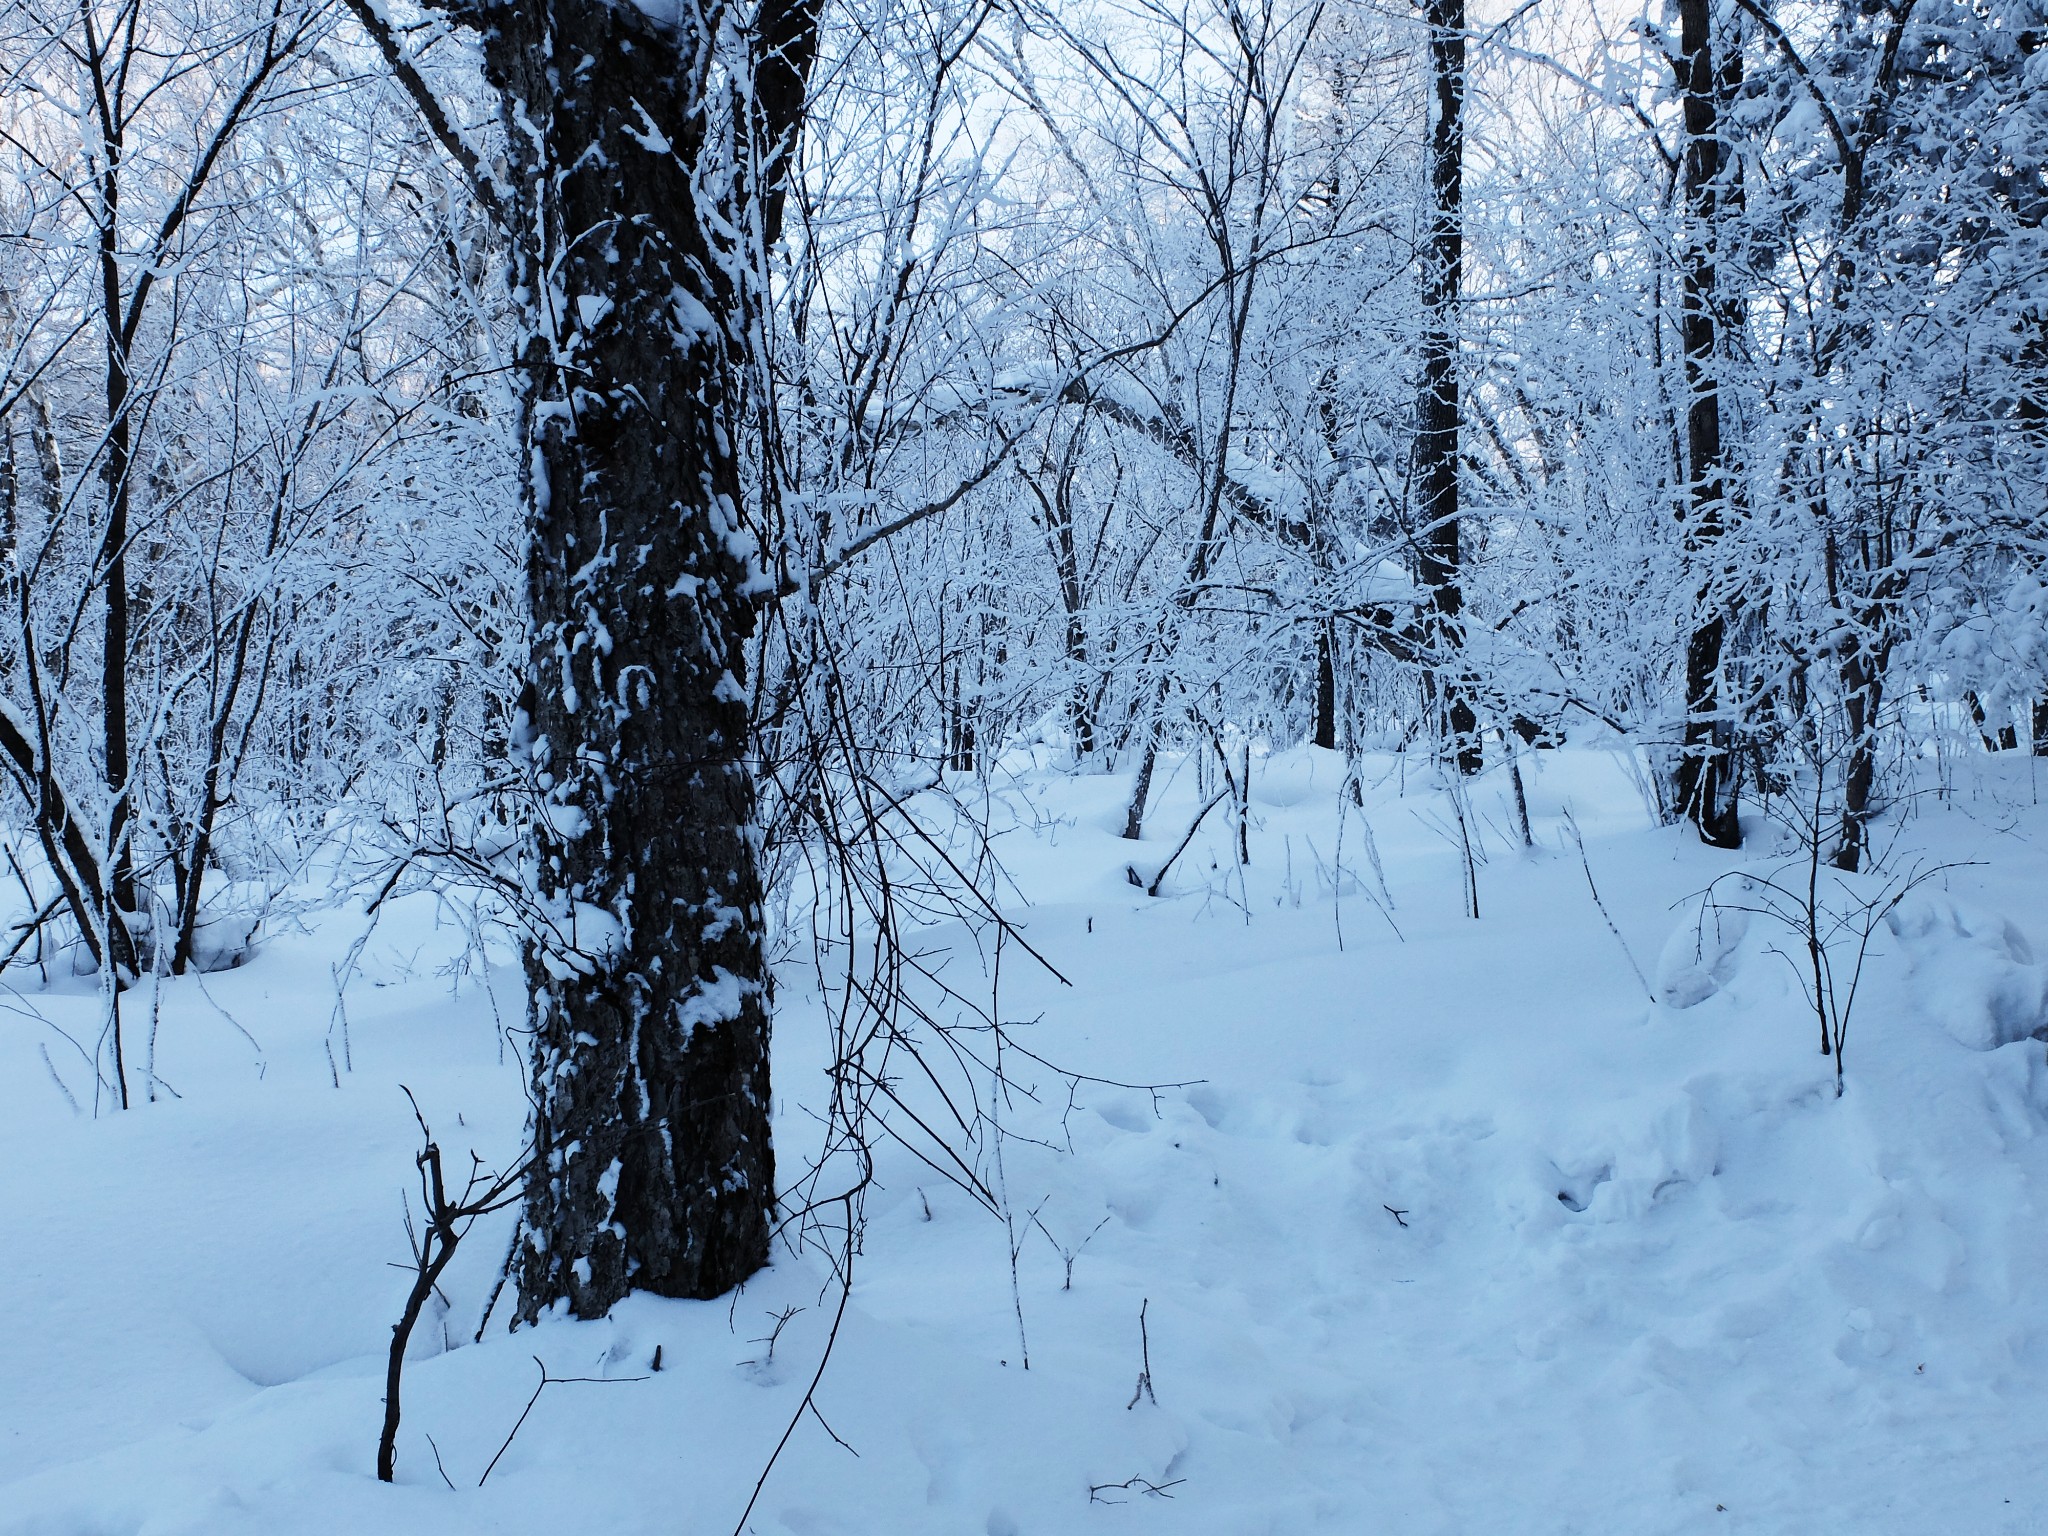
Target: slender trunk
(1080,712)
(959,715)
(24,741)
(1148,761)
(1440,557)
(1706,779)
(1863,685)
(1325,731)
(1067,565)
(1058,513)
(219,773)
(1159,648)
(1978,718)
(117,472)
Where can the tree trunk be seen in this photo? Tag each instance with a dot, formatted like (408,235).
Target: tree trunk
(1865,685)
(117,476)
(1982,721)
(1057,519)
(1067,565)
(1866,656)
(652,1166)
(1437,409)
(1325,732)
(1863,680)
(1707,769)
(1141,783)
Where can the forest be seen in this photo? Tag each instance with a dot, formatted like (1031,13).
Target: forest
(748,745)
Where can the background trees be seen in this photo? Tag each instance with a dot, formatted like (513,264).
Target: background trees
(599,491)
(229,352)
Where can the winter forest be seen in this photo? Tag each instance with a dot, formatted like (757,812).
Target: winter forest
(825,767)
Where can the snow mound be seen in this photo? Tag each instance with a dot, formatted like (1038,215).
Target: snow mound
(230,922)
(1618,1172)
(1699,958)
(1298,774)
(1973,971)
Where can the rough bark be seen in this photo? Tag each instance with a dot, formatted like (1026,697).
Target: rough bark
(638,206)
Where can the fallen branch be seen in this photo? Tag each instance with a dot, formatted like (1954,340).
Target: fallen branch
(1131,1484)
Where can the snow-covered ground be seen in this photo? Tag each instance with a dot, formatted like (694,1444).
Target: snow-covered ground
(1451,1228)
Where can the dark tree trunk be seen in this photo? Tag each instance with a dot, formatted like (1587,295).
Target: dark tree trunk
(1866,658)
(1141,787)
(1437,409)
(960,738)
(113,573)
(1982,721)
(1325,733)
(1080,712)
(1067,564)
(1057,512)
(652,1166)
(117,475)
(1864,681)
(1707,772)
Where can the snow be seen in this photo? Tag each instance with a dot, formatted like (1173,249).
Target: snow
(231,916)
(1450,1229)
(1975,971)
(1701,953)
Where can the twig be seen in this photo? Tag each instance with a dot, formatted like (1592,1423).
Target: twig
(521,1420)
(774,1335)
(1068,1255)
(1144,1387)
(546,1381)
(438,1467)
(447,1222)
(1139,1484)
(31,928)
(1586,864)
(504,1273)
(51,1067)
(810,1392)
(1155,1089)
